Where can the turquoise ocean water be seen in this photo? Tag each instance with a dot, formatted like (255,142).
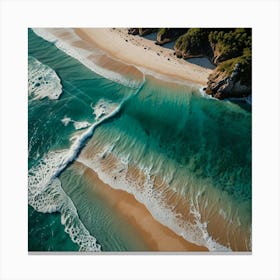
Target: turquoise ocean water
(194,154)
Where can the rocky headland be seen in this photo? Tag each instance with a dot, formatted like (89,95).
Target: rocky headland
(229,49)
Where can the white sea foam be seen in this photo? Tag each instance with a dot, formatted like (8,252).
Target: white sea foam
(42,80)
(66,120)
(205,95)
(46,195)
(83,55)
(81,125)
(167,78)
(153,200)
(78,125)
(211,244)
(103,107)
(80,139)
(247,99)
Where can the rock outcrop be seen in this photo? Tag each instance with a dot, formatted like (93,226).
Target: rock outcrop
(228,48)
(133,31)
(221,85)
(166,35)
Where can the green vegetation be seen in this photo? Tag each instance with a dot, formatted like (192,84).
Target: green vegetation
(218,44)
(162,31)
(194,42)
(166,35)
(224,47)
(230,44)
(230,49)
(245,63)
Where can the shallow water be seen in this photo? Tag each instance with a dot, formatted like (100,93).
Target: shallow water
(187,158)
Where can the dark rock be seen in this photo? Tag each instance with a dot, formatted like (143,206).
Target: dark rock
(221,85)
(178,54)
(141,31)
(133,31)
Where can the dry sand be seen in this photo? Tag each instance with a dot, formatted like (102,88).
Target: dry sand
(156,236)
(143,53)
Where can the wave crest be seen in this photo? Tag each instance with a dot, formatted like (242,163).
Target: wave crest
(47,196)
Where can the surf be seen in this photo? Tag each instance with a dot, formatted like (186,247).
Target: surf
(89,57)
(154,200)
(153,141)
(137,153)
(45,193)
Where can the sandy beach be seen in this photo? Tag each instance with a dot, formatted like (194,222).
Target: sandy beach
(156,236)
(143,53)
(123,202)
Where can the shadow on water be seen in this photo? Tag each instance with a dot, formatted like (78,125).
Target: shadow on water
(201,61)
(152,36)
(169,45)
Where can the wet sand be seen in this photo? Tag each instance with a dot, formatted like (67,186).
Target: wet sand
(219,229)
(156,236)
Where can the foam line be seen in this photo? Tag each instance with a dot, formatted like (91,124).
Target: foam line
(47,196)
(205,95)
(154,201)
(45,193)
(82,56)
(80,141)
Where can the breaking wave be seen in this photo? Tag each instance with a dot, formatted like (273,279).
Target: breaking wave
(154,201)
(45,193)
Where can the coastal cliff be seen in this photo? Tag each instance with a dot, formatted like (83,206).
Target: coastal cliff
(223,85)
(229,49)
(231,78)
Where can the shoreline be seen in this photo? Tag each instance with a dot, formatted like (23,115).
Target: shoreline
(156,236)
(222,231)
(143,53)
